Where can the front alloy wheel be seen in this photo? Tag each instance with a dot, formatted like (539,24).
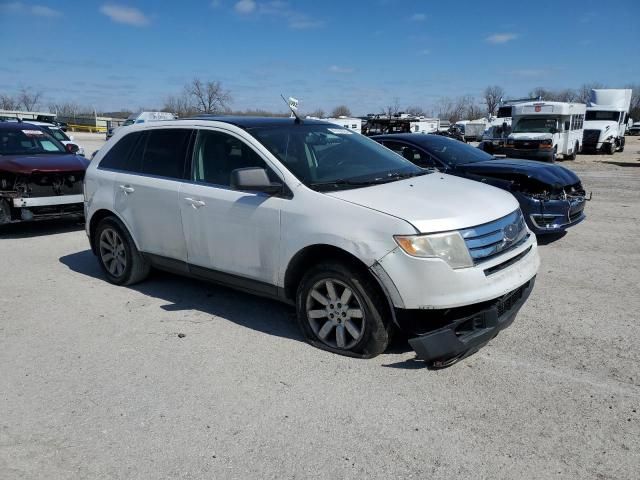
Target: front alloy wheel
(335,314)
(112,252)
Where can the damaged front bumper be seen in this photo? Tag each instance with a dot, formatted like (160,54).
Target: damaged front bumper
(544,216)
(465,335)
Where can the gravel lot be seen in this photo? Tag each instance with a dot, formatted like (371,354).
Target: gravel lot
(96,383)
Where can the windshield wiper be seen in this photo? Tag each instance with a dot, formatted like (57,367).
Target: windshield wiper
(340,182)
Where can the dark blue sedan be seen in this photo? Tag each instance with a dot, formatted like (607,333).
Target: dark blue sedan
(551,197)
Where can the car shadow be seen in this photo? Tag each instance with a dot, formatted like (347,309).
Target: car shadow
(39,228)
(186,294)
(548,238)
(622,164)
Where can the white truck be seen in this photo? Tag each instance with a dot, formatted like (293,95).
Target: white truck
(543,130)
(606,120)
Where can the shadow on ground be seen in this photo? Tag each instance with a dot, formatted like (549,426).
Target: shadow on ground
(38,229)
(622,164)
(185,294)
(548,238)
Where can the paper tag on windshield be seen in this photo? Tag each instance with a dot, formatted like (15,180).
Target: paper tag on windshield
(340,131)
(32,133)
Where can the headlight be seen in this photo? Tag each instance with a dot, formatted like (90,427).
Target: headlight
(450,247)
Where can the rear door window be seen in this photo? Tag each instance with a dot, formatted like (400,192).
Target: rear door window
(411,153)
(118,157)
(165,152)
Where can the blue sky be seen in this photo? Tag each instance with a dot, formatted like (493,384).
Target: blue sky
(361,53)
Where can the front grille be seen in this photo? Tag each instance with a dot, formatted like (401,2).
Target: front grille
(493,238)
(591,137)
(526,144)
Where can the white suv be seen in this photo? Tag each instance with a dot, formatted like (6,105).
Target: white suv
(358,238)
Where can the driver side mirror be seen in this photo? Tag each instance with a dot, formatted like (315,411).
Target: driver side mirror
(254,179)
(567,125)
(71,148)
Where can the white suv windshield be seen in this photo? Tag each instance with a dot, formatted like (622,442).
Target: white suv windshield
(325,156)
(536,125)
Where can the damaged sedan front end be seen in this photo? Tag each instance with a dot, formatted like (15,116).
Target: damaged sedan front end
(551,196)
(39,178)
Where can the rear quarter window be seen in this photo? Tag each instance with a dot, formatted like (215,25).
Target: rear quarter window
(119,156)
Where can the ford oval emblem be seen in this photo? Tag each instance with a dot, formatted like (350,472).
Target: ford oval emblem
(510,232)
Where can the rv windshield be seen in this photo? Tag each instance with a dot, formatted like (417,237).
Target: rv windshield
(536,125)
(327,157)
(602,115)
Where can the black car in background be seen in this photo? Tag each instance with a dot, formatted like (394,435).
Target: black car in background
(551,196)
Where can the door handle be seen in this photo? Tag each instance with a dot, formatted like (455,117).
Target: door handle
(127,189)
(195,203)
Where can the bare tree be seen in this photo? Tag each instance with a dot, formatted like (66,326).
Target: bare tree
(67,109)
(584,92)
(29,98)
(415,110)
(7,102)
(318,113)
(492,97)
(634,111)
(392,109)
(566,95)
(180,105)
(209,97)
(341,111)
(474,111)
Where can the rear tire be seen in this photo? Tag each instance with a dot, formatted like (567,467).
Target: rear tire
(622,142)
(342,310)
(118,256)
(574,153)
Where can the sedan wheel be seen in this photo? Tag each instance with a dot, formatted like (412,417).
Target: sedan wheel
(112,252)
(335,314)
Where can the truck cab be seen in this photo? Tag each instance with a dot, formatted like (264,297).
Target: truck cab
(544,130)
(606,120)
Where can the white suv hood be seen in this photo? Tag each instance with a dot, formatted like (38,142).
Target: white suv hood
(434,202)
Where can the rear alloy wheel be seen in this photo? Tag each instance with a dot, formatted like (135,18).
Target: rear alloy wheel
(112,252)
(342,310)
(119,258)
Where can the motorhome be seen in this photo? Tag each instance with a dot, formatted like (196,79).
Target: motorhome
(350,123)
(399,123)
(543,130)
(606,120)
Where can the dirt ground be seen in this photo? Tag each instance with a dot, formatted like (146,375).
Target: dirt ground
(96,383)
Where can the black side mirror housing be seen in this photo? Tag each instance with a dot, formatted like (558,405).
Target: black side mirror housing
(71,148)
(253,179)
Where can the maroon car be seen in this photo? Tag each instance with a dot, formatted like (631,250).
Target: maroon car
(40,178)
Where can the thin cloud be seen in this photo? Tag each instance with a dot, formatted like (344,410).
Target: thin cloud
(37,10)
(127,15)
(499,38)
(245,7)
(339,69)
(277,8)
(426,51)
(418,17)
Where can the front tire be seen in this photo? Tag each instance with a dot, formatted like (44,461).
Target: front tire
(610,149)
(118,256)
(342,310)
